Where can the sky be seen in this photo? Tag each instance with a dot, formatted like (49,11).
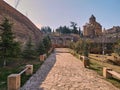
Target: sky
(55,13)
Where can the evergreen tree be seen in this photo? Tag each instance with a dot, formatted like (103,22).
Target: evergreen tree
(9,47)
(41,49)
(74,26)
(29,52)
(46,30)
(47,43)
(63,30)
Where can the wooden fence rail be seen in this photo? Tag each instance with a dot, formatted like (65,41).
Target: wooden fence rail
(108,73)
(14,80)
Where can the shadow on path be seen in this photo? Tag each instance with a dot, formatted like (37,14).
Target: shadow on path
(36,80)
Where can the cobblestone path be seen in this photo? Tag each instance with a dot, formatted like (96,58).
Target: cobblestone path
(62,71)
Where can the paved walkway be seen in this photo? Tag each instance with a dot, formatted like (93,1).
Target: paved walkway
(62,71)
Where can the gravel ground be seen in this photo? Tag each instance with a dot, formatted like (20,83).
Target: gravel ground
(62,71)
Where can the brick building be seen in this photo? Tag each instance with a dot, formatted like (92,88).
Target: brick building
(93,28)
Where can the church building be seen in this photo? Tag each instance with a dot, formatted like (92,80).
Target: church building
(93,28)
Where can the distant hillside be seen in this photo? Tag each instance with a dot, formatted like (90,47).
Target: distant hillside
(23,28)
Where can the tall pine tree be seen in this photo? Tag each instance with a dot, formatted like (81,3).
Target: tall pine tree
(47,43)
(9,47)
(41,49)
(29,52)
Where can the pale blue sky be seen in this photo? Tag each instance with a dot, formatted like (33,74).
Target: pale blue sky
(54,13)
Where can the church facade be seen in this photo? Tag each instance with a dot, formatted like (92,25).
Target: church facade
(93,28)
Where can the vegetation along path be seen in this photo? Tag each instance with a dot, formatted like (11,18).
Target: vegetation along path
(62,71)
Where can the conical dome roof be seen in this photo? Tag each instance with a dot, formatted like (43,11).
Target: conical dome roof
(92,19)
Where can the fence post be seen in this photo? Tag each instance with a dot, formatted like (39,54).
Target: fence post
(42,57)
(85,61)
(45,56)
(14,82)
(105,73)
(29,71)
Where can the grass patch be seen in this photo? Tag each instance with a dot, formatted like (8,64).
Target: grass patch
(74,53)
(98,67)
(114,81)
